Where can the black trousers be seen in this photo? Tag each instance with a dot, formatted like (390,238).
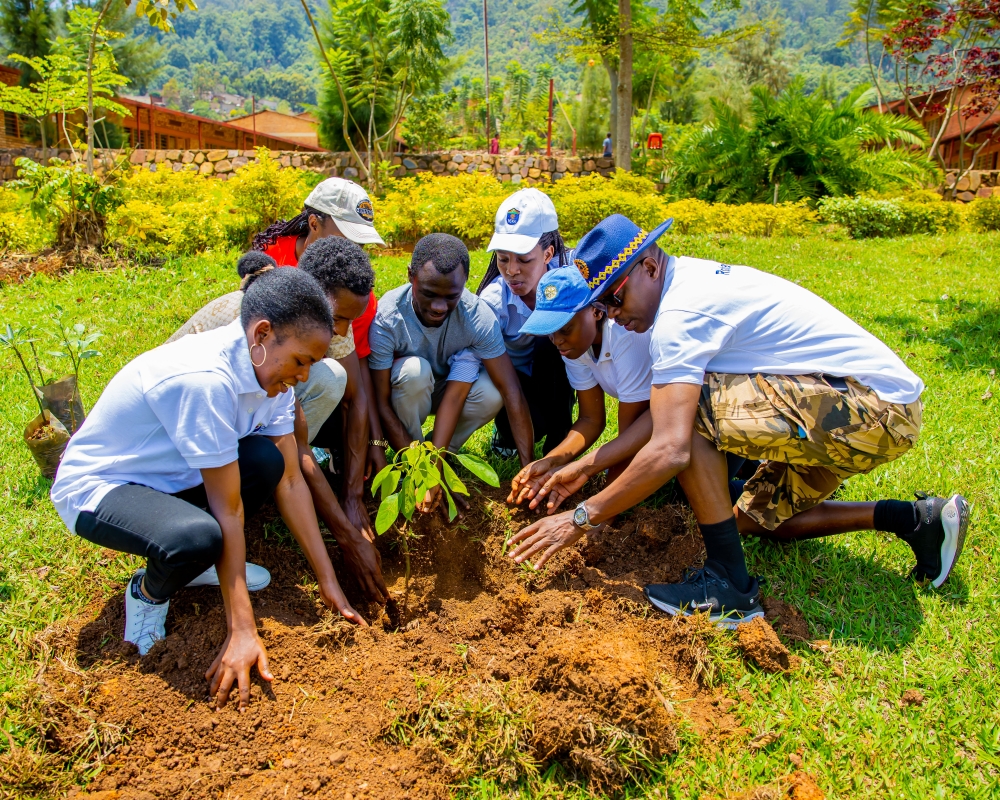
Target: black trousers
(178,536)
(549,395)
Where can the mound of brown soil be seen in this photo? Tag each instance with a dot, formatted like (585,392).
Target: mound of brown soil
(487,669)
(786,619)
(761,645)
(15,267)
(797,786)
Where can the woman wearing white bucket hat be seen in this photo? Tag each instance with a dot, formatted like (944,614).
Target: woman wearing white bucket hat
(526,243)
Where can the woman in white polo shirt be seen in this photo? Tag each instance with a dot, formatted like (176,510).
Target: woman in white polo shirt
(186,441)
(601,359)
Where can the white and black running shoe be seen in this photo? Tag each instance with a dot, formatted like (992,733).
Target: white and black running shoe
(498,449)
(708,590)
(938,538)
(257,578)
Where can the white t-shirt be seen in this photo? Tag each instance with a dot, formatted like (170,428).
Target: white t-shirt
(623,368)
(730,319)
(168,414)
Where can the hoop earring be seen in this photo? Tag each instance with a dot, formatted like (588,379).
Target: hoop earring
(258,344)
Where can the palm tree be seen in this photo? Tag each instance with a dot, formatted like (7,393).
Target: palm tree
(796,146)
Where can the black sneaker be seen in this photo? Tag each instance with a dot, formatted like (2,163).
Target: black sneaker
(498,448)
(708,590)
(938,538)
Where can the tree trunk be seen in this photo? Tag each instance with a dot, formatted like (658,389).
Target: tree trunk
(613,78)
(623,128)
(90,87)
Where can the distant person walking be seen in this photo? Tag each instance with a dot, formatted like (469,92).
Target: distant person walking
(495,146)
(607,146)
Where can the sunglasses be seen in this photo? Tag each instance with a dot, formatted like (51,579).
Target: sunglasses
(615,300)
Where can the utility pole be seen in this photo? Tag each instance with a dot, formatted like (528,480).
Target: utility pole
(253,116)
(552,91)
(486,41)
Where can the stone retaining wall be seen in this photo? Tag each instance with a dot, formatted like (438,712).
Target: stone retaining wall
(978,183)
(529,169)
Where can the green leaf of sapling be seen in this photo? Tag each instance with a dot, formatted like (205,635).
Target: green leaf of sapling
(377,480)
(479,468)
(390,483)
(451,479)
(387,513)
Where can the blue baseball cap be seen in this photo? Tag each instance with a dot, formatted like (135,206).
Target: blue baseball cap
(611,247)
(561,293)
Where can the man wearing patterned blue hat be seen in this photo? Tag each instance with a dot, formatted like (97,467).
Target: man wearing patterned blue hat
(746,362)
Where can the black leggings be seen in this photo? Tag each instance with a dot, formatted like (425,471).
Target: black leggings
(178,536)
(549,395)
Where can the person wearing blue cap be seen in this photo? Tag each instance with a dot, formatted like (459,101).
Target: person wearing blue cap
(601,359)
(748,363)
(525,244)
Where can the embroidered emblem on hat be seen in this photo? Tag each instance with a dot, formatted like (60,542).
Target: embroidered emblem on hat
(582,266)
(513,215)
(551,292)
(365,210)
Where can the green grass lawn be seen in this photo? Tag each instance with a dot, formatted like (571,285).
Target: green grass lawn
(935,300)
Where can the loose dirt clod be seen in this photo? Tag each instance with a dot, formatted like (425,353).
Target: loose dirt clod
(786,619)
(802,786)
(488,671)
(760,644)
(913,697)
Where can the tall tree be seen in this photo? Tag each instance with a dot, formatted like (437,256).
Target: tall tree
(25,28)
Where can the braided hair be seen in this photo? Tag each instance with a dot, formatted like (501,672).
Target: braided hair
(548,239)
(253,264)
(296,226)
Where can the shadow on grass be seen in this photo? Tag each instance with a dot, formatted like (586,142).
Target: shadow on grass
(969,330)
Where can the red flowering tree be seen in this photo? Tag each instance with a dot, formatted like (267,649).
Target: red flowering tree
(944,58)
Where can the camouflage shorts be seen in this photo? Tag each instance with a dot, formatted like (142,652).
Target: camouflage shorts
(810,431)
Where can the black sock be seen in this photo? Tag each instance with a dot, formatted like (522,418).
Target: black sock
(723,545)
(896,516)
(735,490)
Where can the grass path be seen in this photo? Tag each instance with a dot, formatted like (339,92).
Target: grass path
(935,300)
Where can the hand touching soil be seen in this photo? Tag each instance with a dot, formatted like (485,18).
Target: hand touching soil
(547,536)
(529,481)
(561,484)
(365,563)
(333,597)
(241,651)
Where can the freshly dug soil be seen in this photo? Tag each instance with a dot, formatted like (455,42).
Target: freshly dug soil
(761,645)
(797,786)
(485,669)
(786,620)
(15,267)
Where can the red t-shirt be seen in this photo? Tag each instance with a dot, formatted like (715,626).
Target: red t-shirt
(283,252)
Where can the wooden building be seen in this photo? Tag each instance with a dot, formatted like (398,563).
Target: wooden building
(303,128)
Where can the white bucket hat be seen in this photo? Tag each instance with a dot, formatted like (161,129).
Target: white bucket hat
(349,206)
(521,220)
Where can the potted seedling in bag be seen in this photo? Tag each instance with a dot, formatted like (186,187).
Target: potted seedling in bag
(45,436)
(415,471)
(62,397)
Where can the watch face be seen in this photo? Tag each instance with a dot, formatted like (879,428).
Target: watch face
(580,516)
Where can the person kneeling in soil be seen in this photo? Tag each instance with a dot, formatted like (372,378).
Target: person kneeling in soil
(526,244)
(331,401)
(749,363)
(601,359)
(419,329)
(188,440)
(336,208)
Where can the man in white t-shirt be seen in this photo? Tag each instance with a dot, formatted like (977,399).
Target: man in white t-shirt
(748,363)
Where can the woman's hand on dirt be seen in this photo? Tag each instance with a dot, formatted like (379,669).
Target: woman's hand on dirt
(560,485)
(240,652)
(333,596)
(547,536)
(529,480)
(365,563)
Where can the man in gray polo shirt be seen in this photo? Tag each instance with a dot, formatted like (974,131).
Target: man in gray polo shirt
(427,339)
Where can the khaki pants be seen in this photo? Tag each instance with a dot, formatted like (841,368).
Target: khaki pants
(415,395)
(811,432)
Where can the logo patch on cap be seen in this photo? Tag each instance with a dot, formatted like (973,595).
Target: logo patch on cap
(513,215)
(365,210)
(582,266)
(551,292)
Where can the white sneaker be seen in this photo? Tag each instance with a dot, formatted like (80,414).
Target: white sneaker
(145,622)
(257,578)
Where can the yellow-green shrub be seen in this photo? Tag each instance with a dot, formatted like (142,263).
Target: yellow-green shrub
(748,219)
(262,193)
(19,231)
(983,213)
(583,202)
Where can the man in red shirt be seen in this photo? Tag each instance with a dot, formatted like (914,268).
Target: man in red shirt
(336,207)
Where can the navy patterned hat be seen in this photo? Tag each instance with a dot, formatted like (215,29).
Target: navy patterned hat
(611,247)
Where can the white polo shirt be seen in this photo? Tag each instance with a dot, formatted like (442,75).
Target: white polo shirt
(623,368)
(738,320)
(168,414)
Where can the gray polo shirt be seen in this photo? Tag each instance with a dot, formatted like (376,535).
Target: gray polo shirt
(396,332)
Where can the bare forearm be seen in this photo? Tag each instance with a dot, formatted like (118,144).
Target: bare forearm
(231,568)
(357,445)
(622,447)
(323,498)
(371,407)
(521,428)
(393,430)
(577,440)
(295,504)
(449,411)
(653,466)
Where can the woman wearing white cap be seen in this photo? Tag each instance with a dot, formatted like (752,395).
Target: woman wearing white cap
(336,207)
(526,243)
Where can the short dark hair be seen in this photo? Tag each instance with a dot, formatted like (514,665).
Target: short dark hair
(287,298)
(339,263)
(445,251)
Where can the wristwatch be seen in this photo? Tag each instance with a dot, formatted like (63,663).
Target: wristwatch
(378,443)
(581,518)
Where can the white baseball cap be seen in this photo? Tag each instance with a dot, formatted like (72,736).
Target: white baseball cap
(349,206)
(521,220)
